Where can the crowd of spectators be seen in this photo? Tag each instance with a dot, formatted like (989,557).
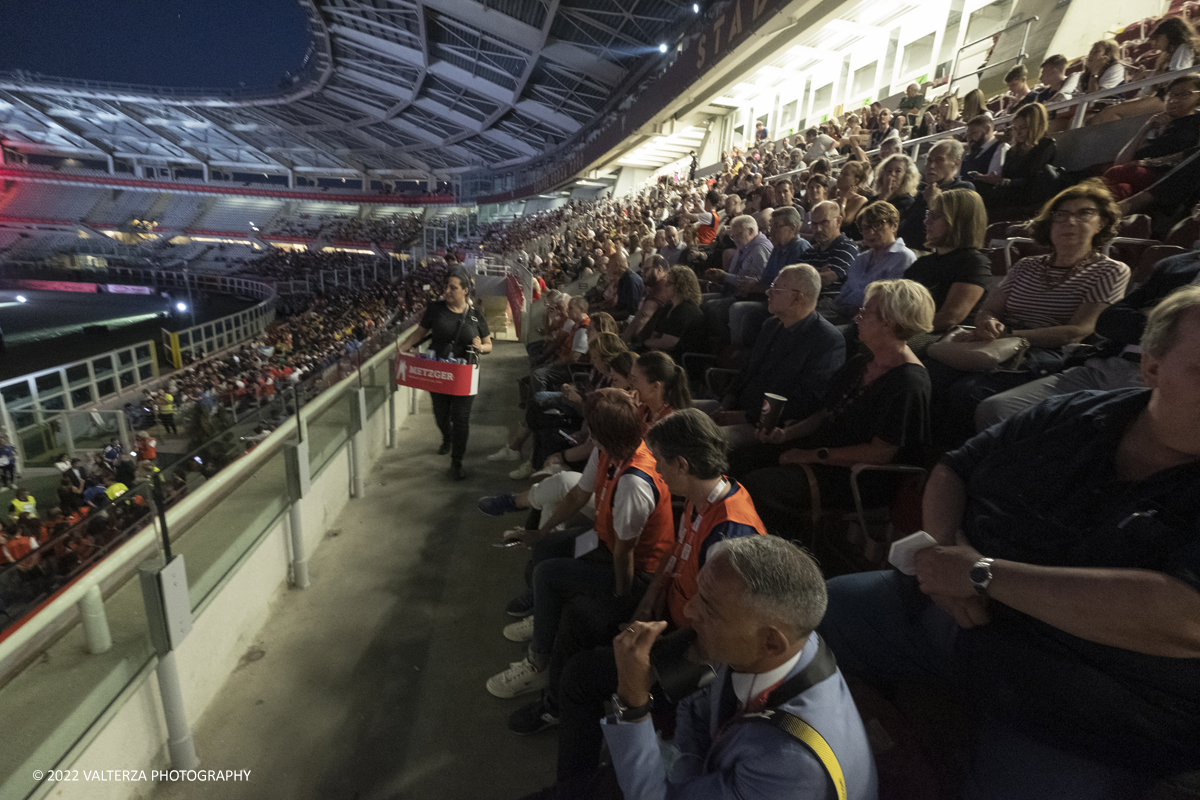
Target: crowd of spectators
(286,265)
(399,231)
(40,549)
(810,344)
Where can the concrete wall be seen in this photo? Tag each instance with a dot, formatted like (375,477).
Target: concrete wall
(134,738)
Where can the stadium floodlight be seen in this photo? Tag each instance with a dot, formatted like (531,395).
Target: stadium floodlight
(662,48)
(21,298)
(695,8)
(181,307)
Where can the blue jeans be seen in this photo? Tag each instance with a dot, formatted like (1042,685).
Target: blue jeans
(881,628)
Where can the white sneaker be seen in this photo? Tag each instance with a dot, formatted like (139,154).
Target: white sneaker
(505,453)
(520,678)
(522,472)
(547,470)
(519,631)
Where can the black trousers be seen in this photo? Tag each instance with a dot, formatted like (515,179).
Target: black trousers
(588,679)
(453,416)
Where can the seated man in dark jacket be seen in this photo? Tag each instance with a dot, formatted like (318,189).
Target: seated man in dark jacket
(941,174)
(794,356)
(1063,594)
(1117,362)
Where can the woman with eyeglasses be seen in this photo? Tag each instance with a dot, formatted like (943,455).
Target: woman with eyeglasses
(1160,143)
(1049,301)
(956,273)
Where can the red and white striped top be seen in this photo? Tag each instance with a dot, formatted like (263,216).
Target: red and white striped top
(1038,297)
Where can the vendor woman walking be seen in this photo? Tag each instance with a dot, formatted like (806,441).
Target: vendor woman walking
(458,329)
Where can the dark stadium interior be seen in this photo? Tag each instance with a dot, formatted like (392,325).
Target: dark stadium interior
(586,399)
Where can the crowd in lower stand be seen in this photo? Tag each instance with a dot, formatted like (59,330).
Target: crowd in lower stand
(42,548)
(745,364)
(401,231)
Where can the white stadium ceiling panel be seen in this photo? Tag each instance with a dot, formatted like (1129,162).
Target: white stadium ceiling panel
(390,85)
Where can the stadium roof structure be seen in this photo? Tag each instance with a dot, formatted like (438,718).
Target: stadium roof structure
(407,88)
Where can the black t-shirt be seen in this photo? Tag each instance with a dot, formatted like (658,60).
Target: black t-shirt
(893,407)
(938,272)
(1178,135)
(686,321)
(444,324)
(1042,488)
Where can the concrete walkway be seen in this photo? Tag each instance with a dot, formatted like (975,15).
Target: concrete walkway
(370,683)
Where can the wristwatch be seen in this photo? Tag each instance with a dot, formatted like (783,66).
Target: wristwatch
(822,454)
(616,712)
(981,575)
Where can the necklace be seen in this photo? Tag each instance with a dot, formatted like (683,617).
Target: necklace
(1051,282)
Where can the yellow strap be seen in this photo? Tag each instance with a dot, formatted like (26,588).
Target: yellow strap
(821,749)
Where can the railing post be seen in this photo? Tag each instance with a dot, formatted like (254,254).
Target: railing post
(296,461)
(358,442)
(95,621)
(65,425)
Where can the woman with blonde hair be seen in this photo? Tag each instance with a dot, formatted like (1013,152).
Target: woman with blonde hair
(681,329)
(1027,175)
(973,104)
(853,189)
(896,182)
(956,273)
(876,411)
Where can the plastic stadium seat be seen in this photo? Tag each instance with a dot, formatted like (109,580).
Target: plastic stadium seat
(1132,32)
(1135,226)
(1184,234)
(1019,247)
(1128,250)
(1018,228)
(1150,257)
(995,231)
(996,255)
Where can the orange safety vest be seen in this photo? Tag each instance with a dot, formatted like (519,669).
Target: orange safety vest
(685,560)
(707,234)
(149,451)
(654,542)
(568,344)
(17,548)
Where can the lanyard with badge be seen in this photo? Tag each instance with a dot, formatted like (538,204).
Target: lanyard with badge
(686,537)
(614,469)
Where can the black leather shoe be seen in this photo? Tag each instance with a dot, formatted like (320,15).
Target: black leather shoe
(457,472)
(444,449)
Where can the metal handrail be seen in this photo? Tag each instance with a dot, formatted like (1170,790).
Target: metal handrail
(1019,57)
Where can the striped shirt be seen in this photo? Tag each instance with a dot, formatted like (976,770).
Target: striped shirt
(1038,297)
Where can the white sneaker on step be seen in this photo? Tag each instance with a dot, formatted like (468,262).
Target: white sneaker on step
(546,471)
(522,472)
(519,631)
(520,678)
(505,453)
